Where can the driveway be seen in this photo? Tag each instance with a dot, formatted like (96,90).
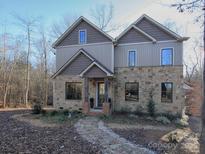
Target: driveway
(22,138)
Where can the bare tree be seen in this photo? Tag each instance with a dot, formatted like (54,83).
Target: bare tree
(197,6)
(43,47)
(28,24)
(103,16)
(57,28)
(173,26)
(194,67)
(10,72)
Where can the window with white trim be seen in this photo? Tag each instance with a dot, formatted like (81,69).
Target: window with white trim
(132,58)
(82,36)
(167,56)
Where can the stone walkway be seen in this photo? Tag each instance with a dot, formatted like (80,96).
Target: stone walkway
(94,131)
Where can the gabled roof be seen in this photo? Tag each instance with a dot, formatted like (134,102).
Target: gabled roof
(137,29)
(70,60)
(133,25)
(77,22)
(178,37)
(94,62)
(108,73)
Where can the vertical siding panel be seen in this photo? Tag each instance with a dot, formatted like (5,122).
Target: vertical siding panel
(147,54)
(93,35)
(101,52)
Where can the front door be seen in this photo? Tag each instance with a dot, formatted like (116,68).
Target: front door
(100,94)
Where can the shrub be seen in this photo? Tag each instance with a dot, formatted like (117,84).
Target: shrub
(36,109)
(43,112)
(105,117)
(181,123)
(66,112)
(151,108)
(124,110)
(138,111)
(170,116)
(53,113)
(163,120)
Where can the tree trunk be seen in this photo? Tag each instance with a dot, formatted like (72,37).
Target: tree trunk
(4,68)
(45,71)
(28,68)
(202,138)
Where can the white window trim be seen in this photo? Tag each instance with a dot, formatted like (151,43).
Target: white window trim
(172,56)
(135,57)
(82,30)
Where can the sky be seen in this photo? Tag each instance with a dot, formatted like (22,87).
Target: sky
(125,12)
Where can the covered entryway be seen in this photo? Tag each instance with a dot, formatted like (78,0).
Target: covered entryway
(97,89)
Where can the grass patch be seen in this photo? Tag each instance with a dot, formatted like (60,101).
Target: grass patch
(61,117)
(119,118)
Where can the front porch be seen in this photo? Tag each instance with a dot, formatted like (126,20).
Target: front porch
(97,96)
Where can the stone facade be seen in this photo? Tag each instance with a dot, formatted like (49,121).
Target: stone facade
(149,78)
(59,93)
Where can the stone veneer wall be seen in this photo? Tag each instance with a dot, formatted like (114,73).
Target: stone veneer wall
(59,93)
(149,77)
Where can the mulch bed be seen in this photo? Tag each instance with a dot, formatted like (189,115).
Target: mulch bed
(21,137)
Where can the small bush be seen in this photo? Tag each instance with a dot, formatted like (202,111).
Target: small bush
(124,110)
(151,108)
(36,109)
(53,113)
(43,112)
(66,112)
(163,120)
(105,117)
(181,123)
(139,111)
(170,116)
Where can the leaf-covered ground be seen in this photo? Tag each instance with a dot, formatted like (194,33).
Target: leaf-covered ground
(22,137)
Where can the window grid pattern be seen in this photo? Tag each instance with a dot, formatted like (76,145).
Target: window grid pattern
(132,91)
(73,90)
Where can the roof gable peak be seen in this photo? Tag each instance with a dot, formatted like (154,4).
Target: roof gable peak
(75,24)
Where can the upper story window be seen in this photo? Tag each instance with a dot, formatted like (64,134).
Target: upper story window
(82,36)
(167,56)
(166,92)
(132,58)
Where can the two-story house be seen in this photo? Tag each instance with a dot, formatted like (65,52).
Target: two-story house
(99,74)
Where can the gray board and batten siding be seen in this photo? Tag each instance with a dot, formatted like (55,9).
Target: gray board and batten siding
(101,51)
(147,54)
(93,35)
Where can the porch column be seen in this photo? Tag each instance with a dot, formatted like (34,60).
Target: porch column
(106,89)
(86,105)
(86,88)
(106,105)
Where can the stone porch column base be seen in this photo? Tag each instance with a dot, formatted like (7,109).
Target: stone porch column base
(86,107)
(106,108)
